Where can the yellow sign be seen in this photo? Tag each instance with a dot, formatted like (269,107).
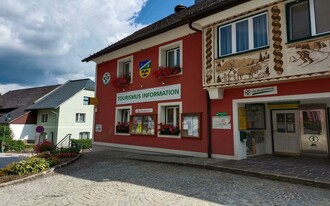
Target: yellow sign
(93,101)
(145,68)
(242,118)
(283,106)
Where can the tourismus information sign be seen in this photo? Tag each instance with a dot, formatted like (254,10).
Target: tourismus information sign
(150,95)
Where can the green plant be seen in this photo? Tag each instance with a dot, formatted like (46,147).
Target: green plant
(25,167)
(14,145)
(82,143)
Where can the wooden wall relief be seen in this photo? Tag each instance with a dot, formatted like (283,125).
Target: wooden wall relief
(276,18)
(243,68)
(208,58)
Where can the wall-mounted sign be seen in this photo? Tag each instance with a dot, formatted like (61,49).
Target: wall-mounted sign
(260,91)
(150,95)
(93,101)
(221,114)
(284,105)
(242,118)
(98,127)
(40,129)
(145,68)
(148,110)
(106,78)
(221,122)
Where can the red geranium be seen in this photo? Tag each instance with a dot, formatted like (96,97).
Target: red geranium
(168,129)
(121,81)
(166,71)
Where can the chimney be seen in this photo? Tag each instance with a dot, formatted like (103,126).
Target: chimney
(179,7)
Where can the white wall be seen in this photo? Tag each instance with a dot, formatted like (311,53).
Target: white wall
(67,116)
(23,131)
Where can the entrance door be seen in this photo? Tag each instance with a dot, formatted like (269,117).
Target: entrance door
(286,132)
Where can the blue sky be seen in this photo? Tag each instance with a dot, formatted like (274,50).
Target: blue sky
(42,42)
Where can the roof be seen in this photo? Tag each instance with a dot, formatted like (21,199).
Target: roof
(54,99)
(15,102)
(188,15)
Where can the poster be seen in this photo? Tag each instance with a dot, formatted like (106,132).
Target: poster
(221,122)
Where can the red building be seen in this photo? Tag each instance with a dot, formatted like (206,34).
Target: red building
(242,78)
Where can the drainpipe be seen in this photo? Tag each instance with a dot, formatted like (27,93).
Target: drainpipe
(57,116)
(209,123)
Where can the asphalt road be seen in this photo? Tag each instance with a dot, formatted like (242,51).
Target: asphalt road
(105,179)
(5,160)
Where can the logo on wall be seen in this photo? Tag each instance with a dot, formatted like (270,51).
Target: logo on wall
(106,78)
(145,68)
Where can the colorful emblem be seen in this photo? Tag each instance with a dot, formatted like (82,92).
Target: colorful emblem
(145,68)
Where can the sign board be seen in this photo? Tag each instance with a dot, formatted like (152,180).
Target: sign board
(150,95)
(221,122)
(98,127)
(242,118)
(139,111)
(40,129)
(221,114)
(93,101)
(260,91)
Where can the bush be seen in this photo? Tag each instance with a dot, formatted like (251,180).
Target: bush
(25,167)
(45,146)
(14,145)
(82,143)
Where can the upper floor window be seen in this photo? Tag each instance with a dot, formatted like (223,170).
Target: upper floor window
(171,55)
(86,100)
(80,117)
(307,18)
(44,117)
(243,35)
(125,68)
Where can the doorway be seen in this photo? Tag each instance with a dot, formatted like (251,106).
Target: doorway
(286,135)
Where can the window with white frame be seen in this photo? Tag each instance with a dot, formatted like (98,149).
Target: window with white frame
(80,117)
(169,118)
(44,117)
(86,100)
(122,119)
(171,55)
(243,35)
(125,68)
(307,18)
(84,135)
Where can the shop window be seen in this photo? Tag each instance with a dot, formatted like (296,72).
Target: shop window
(171,55)
(244,35)
(123,119)
(44,117)
(191,125)
(169,119)
(125,69)
(255,116)
(80,117)
(143,125)
(84,135)
(307,19)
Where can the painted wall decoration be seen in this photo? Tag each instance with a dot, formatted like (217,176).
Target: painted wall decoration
(208,67)
(238,69)
(309,57)
(277,38)
(145,68)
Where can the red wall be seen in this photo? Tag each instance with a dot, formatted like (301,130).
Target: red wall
(193,96)
(222,140)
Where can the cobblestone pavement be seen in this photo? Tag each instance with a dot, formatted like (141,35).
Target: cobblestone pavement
(102,178)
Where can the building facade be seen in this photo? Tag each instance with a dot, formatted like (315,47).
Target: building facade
(265,67)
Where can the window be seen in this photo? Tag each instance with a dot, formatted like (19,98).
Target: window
(44,117)
(244,35)
(84,135)
(80,117)
(307,18)
(143,124)
(171,55)
(122,119)
(86,101)
(125,68)
(169,119)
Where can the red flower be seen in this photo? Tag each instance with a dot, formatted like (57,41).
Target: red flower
(168,129)
(166,71)
(121,81)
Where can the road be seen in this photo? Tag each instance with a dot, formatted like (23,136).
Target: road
(5,160)
(103,179)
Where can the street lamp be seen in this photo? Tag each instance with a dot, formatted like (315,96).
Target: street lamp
(7,119)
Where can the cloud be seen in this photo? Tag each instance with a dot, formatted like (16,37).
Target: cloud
(42,42)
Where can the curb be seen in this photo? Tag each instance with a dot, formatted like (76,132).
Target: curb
(274,177)
(43,173)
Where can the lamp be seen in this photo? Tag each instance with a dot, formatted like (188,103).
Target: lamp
(7,119)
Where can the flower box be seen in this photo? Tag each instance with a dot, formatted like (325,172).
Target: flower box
(168,129)
(121,81)
(122,127)
(166,71)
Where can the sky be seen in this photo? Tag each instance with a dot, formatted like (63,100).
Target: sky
(42,42)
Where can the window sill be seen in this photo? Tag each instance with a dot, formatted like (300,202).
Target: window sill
(122,134)
(308,38)
(244,52)
(141,134)
(169,136)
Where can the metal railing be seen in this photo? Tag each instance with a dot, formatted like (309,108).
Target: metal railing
(60,143)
